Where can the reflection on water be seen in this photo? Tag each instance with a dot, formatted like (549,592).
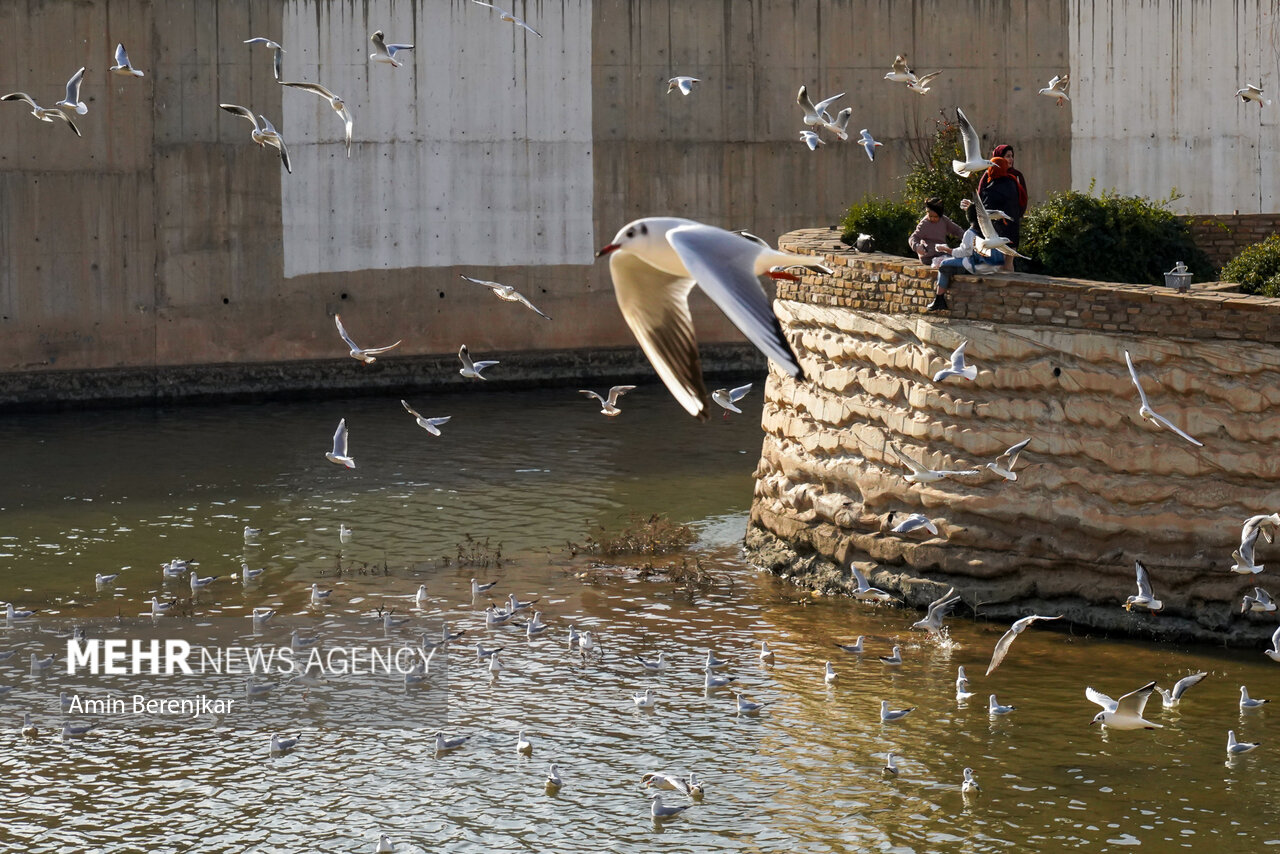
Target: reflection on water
(532,471)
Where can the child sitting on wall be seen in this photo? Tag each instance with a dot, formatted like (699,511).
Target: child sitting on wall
(964,257)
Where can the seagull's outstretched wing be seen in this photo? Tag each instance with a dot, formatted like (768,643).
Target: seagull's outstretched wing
(915,467)
(727,275)
(1133,374)
(1135,702)
(1169,425)
(740,392)
(524,300)
(972,145)
(617,392)
(1186,682)
(1144,582)
(588,392)
(342,330)
(985,225)
(242,112)
(340,439)
(1101,699)
(655,305)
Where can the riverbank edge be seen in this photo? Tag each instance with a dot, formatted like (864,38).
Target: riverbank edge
(242,382)
(807,569)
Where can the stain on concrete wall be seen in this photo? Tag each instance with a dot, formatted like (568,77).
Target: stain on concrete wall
(476,151)
(1154,106)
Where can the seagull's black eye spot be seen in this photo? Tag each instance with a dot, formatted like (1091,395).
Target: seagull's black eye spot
(644,229)
(1057,372)
(342,296)
(631,232)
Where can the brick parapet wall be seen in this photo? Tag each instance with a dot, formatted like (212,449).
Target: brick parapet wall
(1224,236)
(890,284)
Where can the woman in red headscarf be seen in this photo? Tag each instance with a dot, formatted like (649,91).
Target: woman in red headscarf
(1000,190)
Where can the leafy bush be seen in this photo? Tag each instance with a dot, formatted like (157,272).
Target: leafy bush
(1257,268)
(889,222)
(932,174)
(1109,238)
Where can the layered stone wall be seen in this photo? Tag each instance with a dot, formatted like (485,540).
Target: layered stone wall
(1098,487)
(1225,236)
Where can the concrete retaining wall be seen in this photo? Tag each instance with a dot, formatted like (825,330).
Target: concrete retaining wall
(1098,489)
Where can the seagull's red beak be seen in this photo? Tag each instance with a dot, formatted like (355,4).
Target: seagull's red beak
(605,250)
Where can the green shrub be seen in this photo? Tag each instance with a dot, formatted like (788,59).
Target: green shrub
(1109,238)
(1257,268)
(889,222)
(932,175)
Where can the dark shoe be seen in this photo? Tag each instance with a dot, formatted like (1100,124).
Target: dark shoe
(939,303)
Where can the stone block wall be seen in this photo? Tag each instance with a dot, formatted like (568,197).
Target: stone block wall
(1098,487)
(1224,236)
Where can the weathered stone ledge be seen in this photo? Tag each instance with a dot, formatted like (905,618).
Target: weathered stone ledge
(1098,487)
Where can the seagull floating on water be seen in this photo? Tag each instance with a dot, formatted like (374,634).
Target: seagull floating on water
(654,665)
(453,743)
(101,580)
(748,707)
(1247,702)
(285,744)
(854,648)
(661,811)
(29,729)
(715,681)
(198,583)
(962,686)
(887,715)
(384,845)
(524,746)
(1235,748)
(995,708)
(890,769)
(893,659)
(1125,713)
(647,700)
(766,654)
(655,262)
(970,783)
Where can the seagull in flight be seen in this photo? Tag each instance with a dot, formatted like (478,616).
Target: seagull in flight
(122,66)
(1274,652)
(1057,88)
(504,15)
(991,240)
(920,474)
(1253,526)
(1006,640)
(44,114)
(608,406)
(508,293)
(264,134)
(364,354)
(1260,602)
(431,425)
(864,592)
(973,159)
(72,100)
(1150,414)
(1170,699)
(811,139)
(1004,463)
(383,52)
(921,84)
(471,370)
(1125,713)
(684,84)
(816,115)
(1252,93)
(1144,597)
(938,610)
(957,368)
(656,261)
(901,72)
(339,106)
(726,398)
(869,144)
(340,454)
(914,521)
(278,53)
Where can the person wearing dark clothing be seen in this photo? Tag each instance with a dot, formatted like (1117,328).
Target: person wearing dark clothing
(1006,151)
(1002,192)
(965,258)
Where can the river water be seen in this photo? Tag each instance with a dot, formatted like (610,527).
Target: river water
(515,478)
